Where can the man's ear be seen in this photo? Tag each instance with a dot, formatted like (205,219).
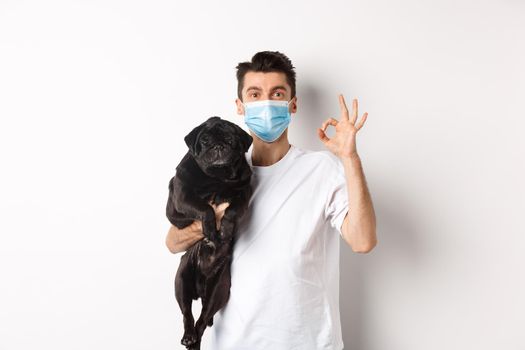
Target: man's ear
(240,107)
(294,110)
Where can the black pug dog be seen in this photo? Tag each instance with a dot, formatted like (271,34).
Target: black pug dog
(214,170)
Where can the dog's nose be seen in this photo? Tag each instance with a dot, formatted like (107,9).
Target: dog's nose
(218,146)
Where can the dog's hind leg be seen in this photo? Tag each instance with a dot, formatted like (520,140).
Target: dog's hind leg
(185,293)
(217,295)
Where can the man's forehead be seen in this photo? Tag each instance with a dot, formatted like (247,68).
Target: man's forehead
(259,88)
(265,81)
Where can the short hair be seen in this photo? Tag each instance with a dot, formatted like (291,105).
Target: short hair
(266,61)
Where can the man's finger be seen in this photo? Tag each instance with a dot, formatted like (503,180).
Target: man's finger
(354,111)
(223,206)
(197,225)
(344,110)
(330,121)
(322,135)
(362,121)
(219,213)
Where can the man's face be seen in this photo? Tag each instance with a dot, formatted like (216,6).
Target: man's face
(260,86)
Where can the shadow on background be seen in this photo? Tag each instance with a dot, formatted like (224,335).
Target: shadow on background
(396,227)
(397,244)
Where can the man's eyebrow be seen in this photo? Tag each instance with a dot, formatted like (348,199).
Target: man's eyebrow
(259,89)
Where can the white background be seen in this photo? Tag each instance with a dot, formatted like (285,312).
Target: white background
(96,97)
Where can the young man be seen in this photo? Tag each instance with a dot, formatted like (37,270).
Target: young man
(285,268)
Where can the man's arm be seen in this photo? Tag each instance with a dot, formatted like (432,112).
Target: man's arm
(179,240)
(359,225)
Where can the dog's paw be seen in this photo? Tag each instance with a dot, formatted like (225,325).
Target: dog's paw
(188,339)
(194,347)
(208,243)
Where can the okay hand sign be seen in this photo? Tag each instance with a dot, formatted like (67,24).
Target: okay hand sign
(343,143)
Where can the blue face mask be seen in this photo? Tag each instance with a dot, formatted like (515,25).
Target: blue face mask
(267,119)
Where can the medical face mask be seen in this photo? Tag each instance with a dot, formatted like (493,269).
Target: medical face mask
(267,119)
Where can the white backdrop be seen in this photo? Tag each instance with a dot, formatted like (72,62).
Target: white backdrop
(96,97)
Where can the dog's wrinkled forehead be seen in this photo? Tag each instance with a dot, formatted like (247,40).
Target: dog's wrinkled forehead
(216,126)
(219,125)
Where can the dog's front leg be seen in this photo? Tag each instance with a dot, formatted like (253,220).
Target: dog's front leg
(195,207)
(237,208)
(228,225)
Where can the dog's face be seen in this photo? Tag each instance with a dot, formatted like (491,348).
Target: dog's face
(217,145)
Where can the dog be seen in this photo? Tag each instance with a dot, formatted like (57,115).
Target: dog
(214,170)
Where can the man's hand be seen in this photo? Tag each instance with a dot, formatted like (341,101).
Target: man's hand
(179,240)
(219,212)
(343,143)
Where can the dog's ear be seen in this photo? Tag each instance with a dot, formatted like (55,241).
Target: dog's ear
(246,139)
(191,138)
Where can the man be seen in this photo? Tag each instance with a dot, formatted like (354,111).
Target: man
(285,268)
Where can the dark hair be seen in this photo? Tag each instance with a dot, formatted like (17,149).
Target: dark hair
(266,61)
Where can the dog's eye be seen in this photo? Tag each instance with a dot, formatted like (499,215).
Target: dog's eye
(204,140)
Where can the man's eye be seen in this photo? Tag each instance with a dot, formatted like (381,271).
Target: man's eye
(253,94)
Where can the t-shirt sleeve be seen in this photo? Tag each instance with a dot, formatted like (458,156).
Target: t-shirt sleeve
(337,198)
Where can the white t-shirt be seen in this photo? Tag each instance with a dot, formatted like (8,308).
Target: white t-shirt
(285,270)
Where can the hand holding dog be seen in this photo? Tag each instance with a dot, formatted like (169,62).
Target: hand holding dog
(219,213)
(343,144)
(179,240)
